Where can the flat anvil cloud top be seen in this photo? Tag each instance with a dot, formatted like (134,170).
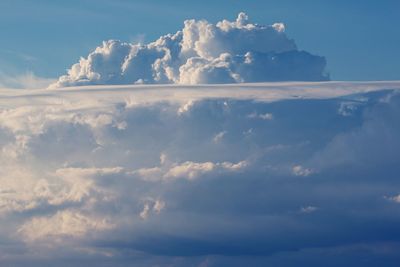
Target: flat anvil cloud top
(201,53)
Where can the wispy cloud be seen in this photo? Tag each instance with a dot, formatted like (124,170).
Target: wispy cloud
(27,80)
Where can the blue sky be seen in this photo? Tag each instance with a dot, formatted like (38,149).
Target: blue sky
(360,39)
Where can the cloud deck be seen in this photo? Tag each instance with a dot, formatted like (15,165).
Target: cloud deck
(156,173)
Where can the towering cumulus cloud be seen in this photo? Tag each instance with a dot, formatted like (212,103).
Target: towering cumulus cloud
(228,52)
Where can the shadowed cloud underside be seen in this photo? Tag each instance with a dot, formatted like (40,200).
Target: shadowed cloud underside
(200,175)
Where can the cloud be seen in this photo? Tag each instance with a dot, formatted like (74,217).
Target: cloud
(187,170)
(308,209)
(266,116)
(299,170)
(172,175)
(201,53)
(62,224)
(24,81)
(395,199)
(191,170)
(151,206)
(219,136)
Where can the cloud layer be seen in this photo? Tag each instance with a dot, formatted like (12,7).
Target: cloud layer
(256,175)
(201,53)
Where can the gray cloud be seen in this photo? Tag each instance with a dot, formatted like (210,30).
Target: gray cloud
(116,176)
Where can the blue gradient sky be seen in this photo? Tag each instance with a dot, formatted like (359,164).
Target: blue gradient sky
(360,39)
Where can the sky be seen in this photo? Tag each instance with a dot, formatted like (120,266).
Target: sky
(199,133)
(359,39)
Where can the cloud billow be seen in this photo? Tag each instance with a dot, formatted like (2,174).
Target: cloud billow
(201,53)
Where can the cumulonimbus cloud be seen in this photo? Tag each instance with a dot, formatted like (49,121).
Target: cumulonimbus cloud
(201,53)
(138,174)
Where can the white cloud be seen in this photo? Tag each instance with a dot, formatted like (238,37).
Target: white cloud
(394,198)
(187,170)
(186,107)
(308,209)
(299,170)
(191,170)
(219,136)
(150,174)
(145,212)
(227,52)
(151,206)
(24,81)
(265,116)
(64,186)
(68,223)
(347,108)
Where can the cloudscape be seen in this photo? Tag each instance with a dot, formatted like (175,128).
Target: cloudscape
(222,144)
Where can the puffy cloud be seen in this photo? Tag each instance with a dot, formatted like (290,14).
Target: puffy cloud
(201,53)
(66,186)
